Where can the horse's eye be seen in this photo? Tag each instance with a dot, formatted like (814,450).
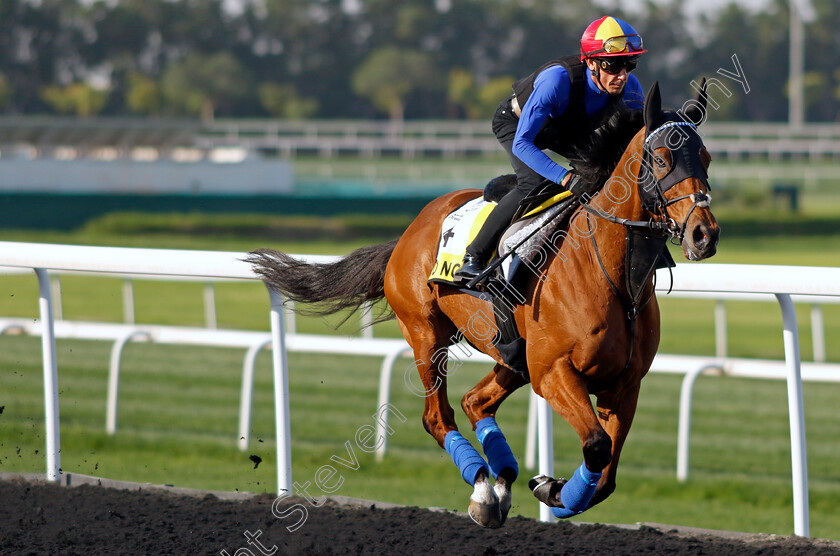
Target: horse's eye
(660,161)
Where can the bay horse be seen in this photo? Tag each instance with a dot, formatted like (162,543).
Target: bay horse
(589,315)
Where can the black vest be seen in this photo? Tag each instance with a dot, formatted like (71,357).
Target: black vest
(573,126)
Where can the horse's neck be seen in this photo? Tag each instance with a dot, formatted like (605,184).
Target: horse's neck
(619,197)
(598,246)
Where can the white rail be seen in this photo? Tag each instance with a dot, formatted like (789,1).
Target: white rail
(782,282)
(145,263)
(453,137)
(815,283)
(720,298)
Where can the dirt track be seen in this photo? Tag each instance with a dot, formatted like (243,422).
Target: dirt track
(38,518)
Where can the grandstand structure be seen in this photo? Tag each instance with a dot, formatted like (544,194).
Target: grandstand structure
(59,136)
(450,139)
(802,155)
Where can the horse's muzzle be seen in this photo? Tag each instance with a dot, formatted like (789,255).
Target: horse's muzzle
(702,242)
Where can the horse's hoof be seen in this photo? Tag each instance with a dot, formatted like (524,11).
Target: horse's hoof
(486,515)
(505,499)
(547,490)
(484,506)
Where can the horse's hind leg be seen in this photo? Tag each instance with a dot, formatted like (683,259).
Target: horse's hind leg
(481,404)
(430,345)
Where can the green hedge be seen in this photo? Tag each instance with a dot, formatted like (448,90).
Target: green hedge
(346,227)
(389,226)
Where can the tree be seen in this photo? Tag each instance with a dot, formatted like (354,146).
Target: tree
(461,91)
(823,93)
(356,58)
(389,75)
(77,98)
(144,95)
(6,92)
(283,101)
(477,101)
(201,84)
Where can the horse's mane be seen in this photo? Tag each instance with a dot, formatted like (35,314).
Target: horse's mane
(595,158)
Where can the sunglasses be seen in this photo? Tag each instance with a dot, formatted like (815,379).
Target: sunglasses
(615,65)
(614,45)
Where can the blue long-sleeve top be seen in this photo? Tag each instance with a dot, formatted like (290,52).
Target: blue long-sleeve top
(550,99)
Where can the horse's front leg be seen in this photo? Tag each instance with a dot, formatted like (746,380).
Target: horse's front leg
(565,390)
(481,404)
(616,408)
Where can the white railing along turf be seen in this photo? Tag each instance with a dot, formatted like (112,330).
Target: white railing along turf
(710,280)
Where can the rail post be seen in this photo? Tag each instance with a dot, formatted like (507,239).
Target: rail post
(51,418)
(796,412)
(281,394)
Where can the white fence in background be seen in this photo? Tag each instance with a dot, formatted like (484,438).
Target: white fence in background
(152,139)
(815,302)
(816,285)
(416,138)
(43,258)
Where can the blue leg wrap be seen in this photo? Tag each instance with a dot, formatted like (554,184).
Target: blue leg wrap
(496,448)
(577,493)
(562,513)
(467,458)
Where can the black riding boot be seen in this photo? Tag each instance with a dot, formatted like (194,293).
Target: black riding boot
(481,248)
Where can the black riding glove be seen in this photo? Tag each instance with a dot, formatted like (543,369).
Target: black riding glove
(579,188)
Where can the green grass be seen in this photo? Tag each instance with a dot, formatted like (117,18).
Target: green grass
(178,418)
(179,405)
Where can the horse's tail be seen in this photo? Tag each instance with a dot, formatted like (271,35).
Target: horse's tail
(347,283)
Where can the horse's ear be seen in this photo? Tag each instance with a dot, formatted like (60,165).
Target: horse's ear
(653,107)
(695,112)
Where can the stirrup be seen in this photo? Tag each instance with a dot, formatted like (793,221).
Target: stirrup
(471,268)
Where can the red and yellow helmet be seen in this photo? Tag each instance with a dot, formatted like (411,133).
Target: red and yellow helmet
(608,37)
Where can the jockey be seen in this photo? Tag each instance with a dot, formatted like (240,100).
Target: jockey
(554,108)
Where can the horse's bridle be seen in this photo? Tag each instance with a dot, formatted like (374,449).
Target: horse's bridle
(652,189)
(685,164)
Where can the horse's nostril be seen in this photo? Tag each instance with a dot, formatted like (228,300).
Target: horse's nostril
(700,236)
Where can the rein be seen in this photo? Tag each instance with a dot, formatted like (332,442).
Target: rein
(627,223)
(668,226)
(633,308)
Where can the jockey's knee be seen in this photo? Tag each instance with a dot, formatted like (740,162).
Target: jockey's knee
(597,451)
